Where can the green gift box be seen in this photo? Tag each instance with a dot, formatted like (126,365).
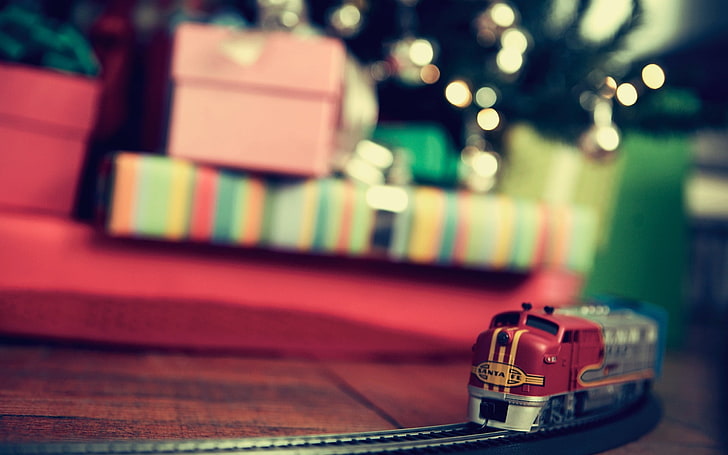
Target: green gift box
(429,152)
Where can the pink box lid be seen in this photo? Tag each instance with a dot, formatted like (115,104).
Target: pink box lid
(280,60)
(51,97)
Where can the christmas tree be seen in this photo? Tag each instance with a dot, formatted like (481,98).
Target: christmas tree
(526,60)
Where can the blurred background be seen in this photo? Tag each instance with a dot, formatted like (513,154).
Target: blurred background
(618,107)
(359,177)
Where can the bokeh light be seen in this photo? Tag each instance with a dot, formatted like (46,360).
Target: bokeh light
(488,119)
(609,88)
(421,52)
(480,168)
(607,137)
(347,19)
(486,97)
(458,93)
(627,94)
(515,40)
(653,76)
(602,112)
(485,164)
(509,61)
(430,74)
(364,171)
(502,14)
(387,197)
(374,153)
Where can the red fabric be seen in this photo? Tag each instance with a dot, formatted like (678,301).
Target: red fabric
(221,288)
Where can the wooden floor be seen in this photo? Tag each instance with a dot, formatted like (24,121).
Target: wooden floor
(52,392)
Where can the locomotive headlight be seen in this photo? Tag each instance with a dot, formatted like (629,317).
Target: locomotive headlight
(549,358)
(503,338)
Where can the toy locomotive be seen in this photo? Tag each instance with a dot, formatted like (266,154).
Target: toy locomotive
(543,369)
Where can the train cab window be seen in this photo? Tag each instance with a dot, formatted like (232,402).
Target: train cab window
(542,324)
(506,319)
(571,336)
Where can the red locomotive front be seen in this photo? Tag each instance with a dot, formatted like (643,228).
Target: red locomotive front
(533,369)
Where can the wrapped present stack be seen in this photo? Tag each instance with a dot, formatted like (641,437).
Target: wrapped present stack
(249,163)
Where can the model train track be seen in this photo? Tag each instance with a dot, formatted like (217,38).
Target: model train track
(463,439)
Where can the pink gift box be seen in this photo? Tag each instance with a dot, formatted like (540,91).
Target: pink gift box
(45,120)
(263,101)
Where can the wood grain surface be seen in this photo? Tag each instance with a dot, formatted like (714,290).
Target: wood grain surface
(62,392)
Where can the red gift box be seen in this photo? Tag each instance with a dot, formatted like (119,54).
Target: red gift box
(45,121)
(265,101)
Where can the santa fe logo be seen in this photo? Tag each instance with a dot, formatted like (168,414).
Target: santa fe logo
(505,375)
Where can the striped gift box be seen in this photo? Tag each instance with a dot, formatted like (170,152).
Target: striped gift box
(159,197)
(321,215)
(492,232)
(173,199)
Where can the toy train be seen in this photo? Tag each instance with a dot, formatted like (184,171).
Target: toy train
(544,369)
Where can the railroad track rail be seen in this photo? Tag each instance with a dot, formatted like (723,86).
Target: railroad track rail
(462,439)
